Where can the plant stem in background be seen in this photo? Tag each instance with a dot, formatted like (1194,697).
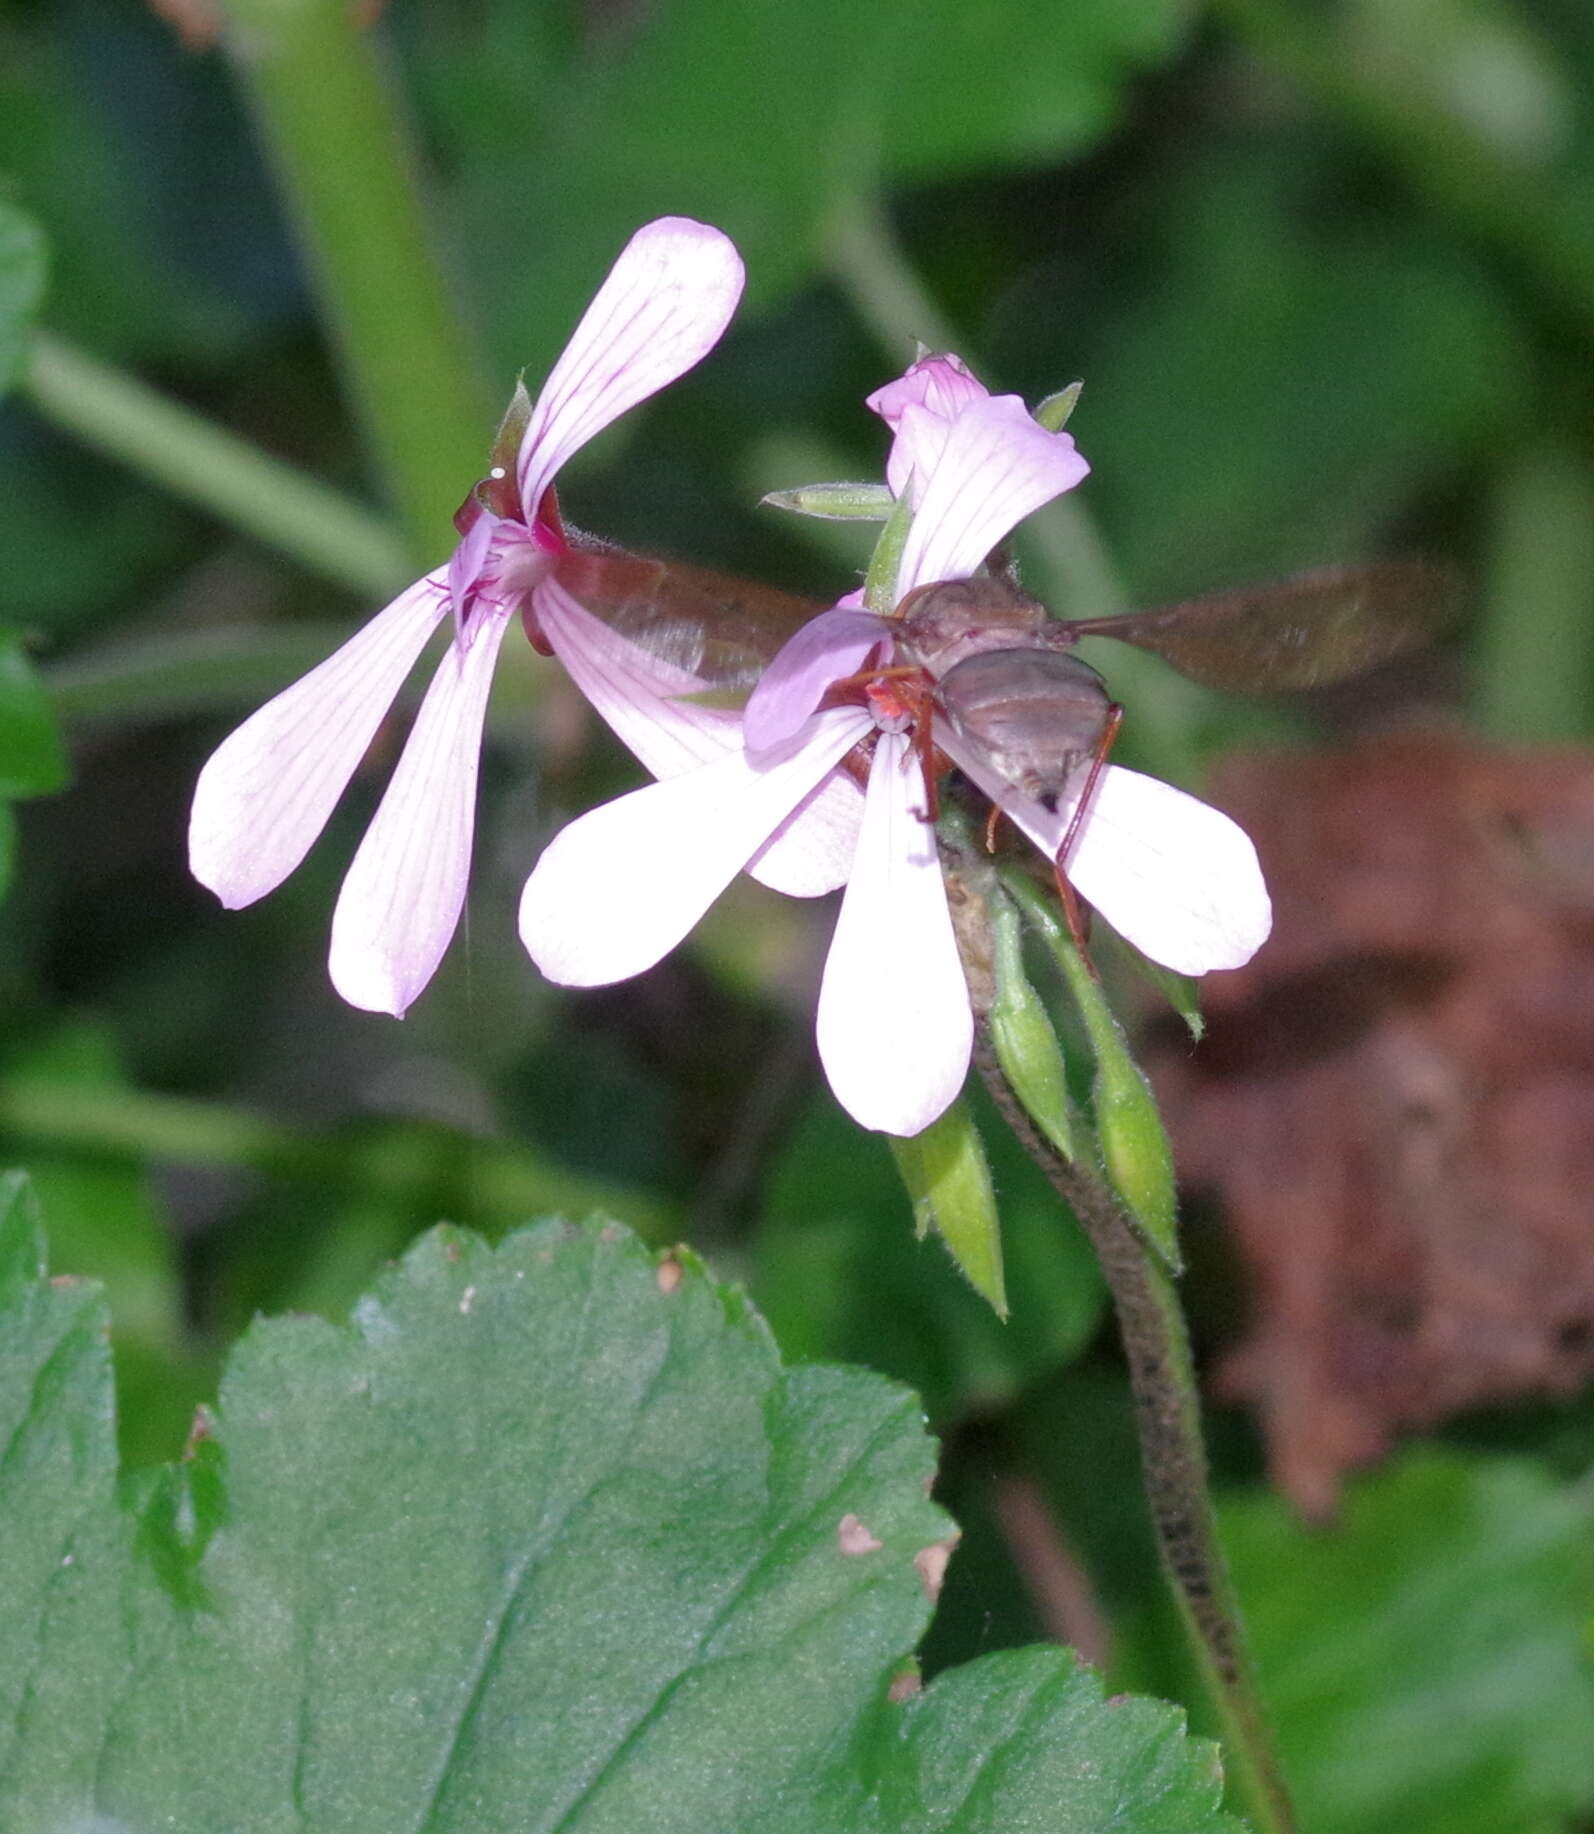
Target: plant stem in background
(346,167)
(481,1178)
(1173,1458)
(1535,662)
(163,440)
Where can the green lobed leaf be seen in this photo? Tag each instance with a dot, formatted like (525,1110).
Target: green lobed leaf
(1427,1660)
(23,266)
(546,1538)
(32,762)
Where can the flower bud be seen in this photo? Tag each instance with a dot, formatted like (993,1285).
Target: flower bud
(1021,1032)
(1054,412)
(835,502)
(949,1183)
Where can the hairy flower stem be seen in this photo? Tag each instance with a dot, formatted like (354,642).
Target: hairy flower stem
(1173,1457)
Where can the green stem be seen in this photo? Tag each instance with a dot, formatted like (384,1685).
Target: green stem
(493,1180)
(1173,1459)
(1535,657)
(332,124)
(177,675)
(128,421)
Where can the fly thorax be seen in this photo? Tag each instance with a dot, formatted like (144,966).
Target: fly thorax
(948,622)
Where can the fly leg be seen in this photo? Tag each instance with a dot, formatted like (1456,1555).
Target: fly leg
(1078,927)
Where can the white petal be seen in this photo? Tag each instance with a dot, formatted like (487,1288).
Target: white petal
(663,307)
(267,790)
(634,691)
(401,900)
(1170,873)
(895,1027)
(812,851)
(997,465)
(616,890)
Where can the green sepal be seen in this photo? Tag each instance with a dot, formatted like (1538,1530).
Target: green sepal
(512,429)
(1181,991)
(835,502)
(949,1185)
(1055,411)
(1021,1032)
(1134,1144)
(880,582)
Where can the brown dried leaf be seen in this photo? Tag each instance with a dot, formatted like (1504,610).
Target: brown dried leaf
(1396,1098)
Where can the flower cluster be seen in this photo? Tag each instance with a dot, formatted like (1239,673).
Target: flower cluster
(268,791)
(819,782)
(895,1031)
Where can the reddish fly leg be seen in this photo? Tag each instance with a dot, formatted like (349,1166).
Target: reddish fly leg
(1078,924)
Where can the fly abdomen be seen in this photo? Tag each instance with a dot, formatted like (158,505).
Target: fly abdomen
(1036,716)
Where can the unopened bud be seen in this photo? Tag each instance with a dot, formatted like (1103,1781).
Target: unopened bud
(835,502)
(949,1184)
(1134,1146)
(1053,413)
(1021,1032)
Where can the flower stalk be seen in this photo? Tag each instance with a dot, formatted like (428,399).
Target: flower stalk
(349,176)
(167,442)
(1151,1324)
(1172,1455)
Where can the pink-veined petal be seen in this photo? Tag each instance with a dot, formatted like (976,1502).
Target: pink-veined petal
(466,563)
(1170,873)
(634,691)
(267,790)
(920,440)
(943,383)
(827,649)
(642,697)
(401,900)
(997,466)
(894,1025)
(919,407)
(618,888)
(663,307)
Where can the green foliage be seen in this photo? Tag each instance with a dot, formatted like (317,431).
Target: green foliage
(22,276)
(1428,1658)
(759,118)
(547,1534)
(32,762)
(1255,427)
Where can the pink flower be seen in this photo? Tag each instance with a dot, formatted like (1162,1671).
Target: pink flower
(267,792)
(894,1023)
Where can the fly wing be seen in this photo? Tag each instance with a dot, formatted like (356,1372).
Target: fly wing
(713,626)
(1305,632)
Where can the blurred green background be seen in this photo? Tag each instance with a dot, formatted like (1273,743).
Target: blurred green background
(1328,274)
